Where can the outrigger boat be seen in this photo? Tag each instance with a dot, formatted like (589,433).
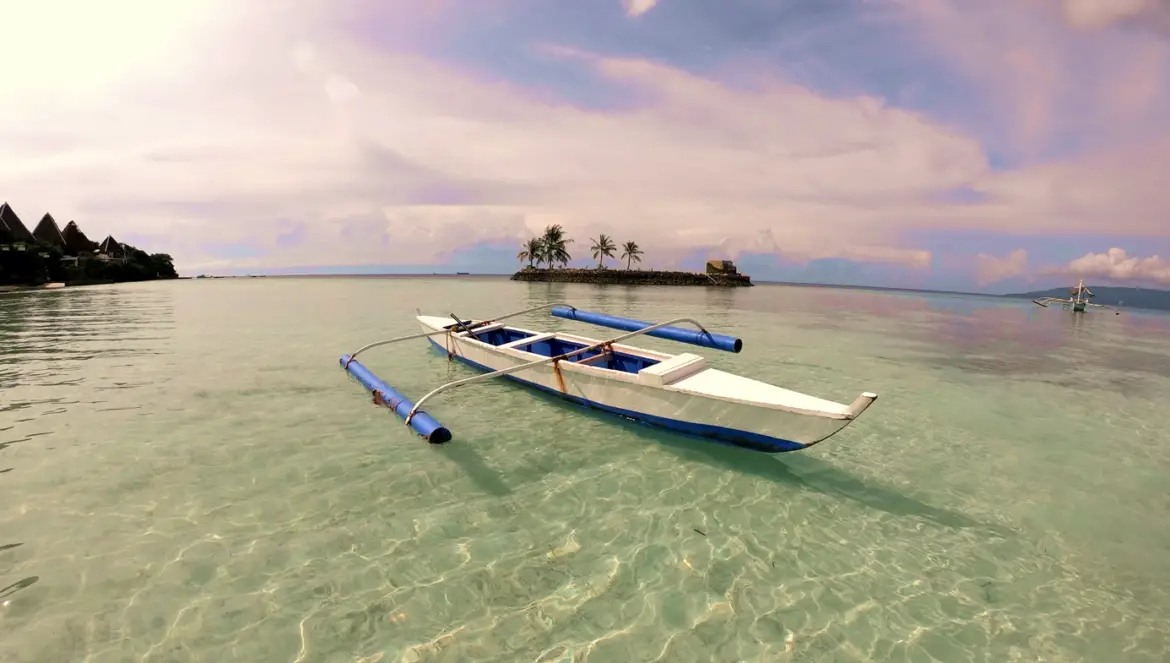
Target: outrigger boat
(678,392)
(1078,300)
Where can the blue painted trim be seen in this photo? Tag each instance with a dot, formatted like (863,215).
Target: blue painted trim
(728,436)
(421,422)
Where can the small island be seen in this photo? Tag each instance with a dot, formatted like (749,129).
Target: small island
(56,256)
(548,257)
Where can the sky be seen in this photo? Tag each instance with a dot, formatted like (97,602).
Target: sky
(981,145)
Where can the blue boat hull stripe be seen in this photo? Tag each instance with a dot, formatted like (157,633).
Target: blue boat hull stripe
(728,436)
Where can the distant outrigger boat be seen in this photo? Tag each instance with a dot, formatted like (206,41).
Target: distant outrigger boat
(676,392)
(1078,301)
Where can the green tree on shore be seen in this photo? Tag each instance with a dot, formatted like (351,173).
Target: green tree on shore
(555,246)
(532,251)
(631,253)
(34,264)
(30,264)
(552,248)
(603,247)
(163,265)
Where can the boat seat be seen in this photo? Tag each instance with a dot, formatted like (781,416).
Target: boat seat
(480,330)
(672,370)
(531,339)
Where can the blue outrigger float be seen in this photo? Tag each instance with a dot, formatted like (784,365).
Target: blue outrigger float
(677,392)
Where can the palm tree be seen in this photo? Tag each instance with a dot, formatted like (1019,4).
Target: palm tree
(556,245)
(532,251)
(547,252)
(603,247)
(631,253)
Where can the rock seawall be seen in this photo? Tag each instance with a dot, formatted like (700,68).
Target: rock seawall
(631,277)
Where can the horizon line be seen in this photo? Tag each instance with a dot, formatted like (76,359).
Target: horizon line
(804,284)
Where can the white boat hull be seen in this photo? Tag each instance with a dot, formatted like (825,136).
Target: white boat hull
(677,392)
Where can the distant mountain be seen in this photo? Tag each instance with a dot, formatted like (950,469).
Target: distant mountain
(1158,300)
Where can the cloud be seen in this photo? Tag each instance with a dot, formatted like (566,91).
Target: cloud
(885,255)
(347,139)
(1049,88)
(1093,14)
(989,269)
(312,138)
(638,7)
(1117,265)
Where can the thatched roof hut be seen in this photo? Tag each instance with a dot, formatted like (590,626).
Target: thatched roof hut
(49,232)
(721,267)
(12,230)
(110,247)
(76,243)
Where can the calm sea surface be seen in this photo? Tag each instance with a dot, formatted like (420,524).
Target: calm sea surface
(187,475)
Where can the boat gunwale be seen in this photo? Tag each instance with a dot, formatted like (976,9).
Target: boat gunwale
(632,378)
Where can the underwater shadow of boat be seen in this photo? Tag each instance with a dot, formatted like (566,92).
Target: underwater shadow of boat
(472,464)
(805,471)
(792,469)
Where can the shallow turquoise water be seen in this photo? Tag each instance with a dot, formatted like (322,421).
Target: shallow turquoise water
(188,476)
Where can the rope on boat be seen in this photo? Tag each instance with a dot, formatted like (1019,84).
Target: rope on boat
(560,376)
(380,399)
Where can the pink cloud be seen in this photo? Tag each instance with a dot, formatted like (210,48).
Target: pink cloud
(285,137)
(989,269)
(1051,67)
(1013,54)
(299,121)
(1092,14)
(636,8)
(765,242)
(1121,190)
(886,255)
(1117,265)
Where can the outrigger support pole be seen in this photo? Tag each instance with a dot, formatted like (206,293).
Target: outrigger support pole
(461,326)
(1045,301)
(458,323)
(540,362)
(424,424)
(1104,306)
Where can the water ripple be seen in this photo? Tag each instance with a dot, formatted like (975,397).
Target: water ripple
(185,475)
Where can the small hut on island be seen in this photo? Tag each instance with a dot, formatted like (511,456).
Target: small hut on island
(726,267)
